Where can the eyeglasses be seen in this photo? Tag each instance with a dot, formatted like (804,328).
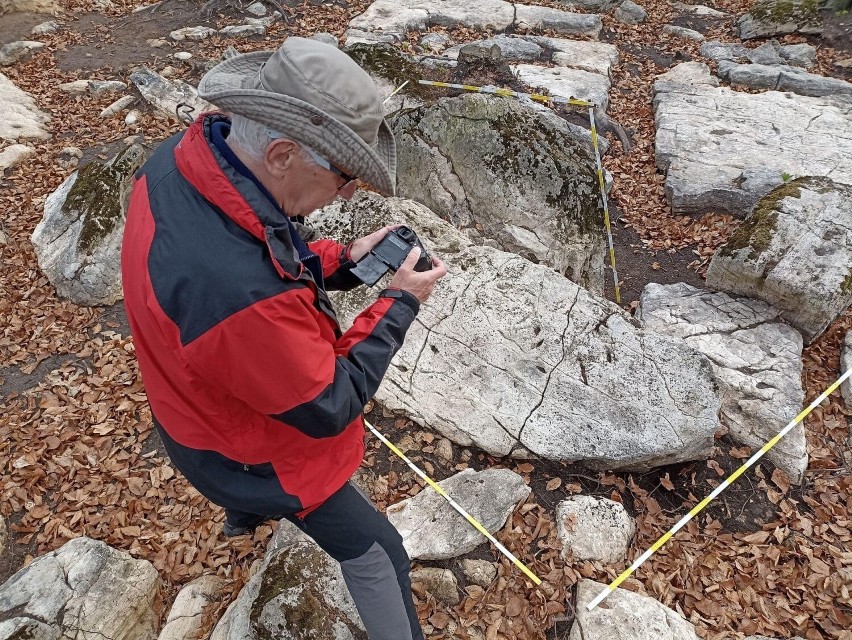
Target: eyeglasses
(325,164)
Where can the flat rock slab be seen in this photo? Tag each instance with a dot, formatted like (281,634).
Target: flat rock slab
(756,357)
(509,356)
(778,17)
(432,530)
(83,585)
(566,82)
(22,119)
(595,529)
(627,616)
(723,150)
(783,78)
(794,252)
(169,98)
(402,16)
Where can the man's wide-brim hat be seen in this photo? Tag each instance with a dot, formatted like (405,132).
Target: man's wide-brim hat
(317,95)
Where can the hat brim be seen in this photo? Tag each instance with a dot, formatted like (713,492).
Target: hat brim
(374,165)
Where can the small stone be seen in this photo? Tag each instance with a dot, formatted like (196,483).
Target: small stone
(683,33)
(18,51)
(262,22)
(168,72)
(799,55)
(45,28)
(718,51)
(257,9)
(630,13)
(192,33)
(14,155)
(767,53)
(480,572)
(243,31)
(182,55)
(104,87)
(434,42)
(76,88)
(134,139)
(158,43)
(132,117)
(845,63)
(116,107)
(326,38)
(444,450)
(69,157)
(441,583)
(594,529)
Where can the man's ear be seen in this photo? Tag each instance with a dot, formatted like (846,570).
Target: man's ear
(280,156)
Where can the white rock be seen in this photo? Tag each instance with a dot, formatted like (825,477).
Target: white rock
(75,88)
(441,583)
(14,155)
(266,22)
(699,10)
(192,33)
(45,28)
(167,96)
(243,31)
(432,530)
(629,12)
(723,150)
(78,241)
(757,360)
(104,87)
(257,9)
(683,33)
(625,615)
(118,106)
(21,118)
(562,23)
(506,353)
(479,572)
(565,82)
(185,617)
(17,51)
(182,55)
(845,365)
(718,51)
(327,38)
(801,55)
(783,78)
(595,57)
(83,585)
(158,43)
(794,252)
(132,117)
(69,157)
(594,529)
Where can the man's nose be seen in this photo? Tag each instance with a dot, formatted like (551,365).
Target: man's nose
(349,190)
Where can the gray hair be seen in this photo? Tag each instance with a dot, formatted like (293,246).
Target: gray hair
(253,138)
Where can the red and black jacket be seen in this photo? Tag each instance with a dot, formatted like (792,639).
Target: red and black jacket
(241,355)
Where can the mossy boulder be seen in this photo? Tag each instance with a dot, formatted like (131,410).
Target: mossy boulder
(778,17)
(78,241)
(795,252)
(507,174)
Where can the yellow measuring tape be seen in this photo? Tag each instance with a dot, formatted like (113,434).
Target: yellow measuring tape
(556,100)
(455,505)
(736,474)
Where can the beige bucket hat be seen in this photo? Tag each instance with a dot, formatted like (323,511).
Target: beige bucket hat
(317,95)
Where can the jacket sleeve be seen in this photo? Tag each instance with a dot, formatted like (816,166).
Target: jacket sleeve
(336,264)
(273,357)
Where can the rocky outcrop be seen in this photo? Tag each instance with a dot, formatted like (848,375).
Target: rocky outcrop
(509,173)
(627,616)
(594,529)
(778,17)
(757,360)
(794,252)
(78,241)
(84,589)
(21,119)
(512,357)
(782,78)
(723,150)
(432,530)
(298,592)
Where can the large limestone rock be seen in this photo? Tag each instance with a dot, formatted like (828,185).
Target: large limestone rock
(627,616)
(566,82)
(723,150)
(21,117)
(794,252)
(510,356)
(187,615)
(594,529)
(402,16)
(507,172)
(756,357)
(85,589)
(169,98)
(777,17)
(78,241)
(432,530)
(298,593)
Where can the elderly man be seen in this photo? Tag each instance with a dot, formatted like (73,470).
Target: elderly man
(256,393)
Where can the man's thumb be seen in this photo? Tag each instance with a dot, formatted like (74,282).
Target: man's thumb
(412,258)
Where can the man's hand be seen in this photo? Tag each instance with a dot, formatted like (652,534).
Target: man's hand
(418,283)
(362,246)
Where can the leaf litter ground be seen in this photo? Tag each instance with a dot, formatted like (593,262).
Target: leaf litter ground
(80,457)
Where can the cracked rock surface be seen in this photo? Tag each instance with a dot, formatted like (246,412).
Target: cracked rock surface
(509,173)
(627,616)
(794,252)
(756,357)
(78,241)
(594,529)
(508,354)
(432,530)
(84,589)
(21,119)
(723,150)
(298,593)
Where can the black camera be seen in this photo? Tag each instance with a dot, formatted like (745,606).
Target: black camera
(389,254)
